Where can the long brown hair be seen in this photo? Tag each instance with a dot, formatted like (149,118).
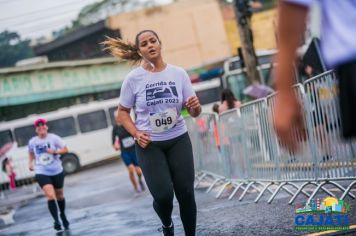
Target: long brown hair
(126,50)
(228,96)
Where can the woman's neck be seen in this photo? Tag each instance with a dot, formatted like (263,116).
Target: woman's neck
(155,66)
(42,136)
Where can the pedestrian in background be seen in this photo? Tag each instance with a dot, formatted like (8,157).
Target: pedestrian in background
(123,140)
(215,108)
(8,168)
(228,101)
(157,91)
(216,131)
(338,47)
(45,151)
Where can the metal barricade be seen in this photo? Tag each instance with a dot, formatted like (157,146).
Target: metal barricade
(258,141)
(231,144)
(231,134)
(203,132)
(252,156)
(334,157)
(291,167)
(193,134)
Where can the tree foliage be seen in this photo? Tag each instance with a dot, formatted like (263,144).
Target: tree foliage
(97,11)
(13,49)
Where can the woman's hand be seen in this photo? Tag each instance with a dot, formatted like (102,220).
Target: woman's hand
(116,146)
(192,102)
(143,139)
(193,106)
(288,119)
(30,166)
(51,151)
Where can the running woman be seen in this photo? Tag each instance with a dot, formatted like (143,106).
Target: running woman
(121,139)
(45,150)
(158,91)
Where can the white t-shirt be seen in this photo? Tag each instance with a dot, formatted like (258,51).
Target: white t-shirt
(338,34)
(45,163)
(157,99)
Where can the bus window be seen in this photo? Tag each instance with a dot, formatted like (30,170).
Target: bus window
(5,137)
(112,116)
(209,95)
(62,127)
(24,134)
(92,121)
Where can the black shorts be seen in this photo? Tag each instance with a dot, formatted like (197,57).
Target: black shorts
(347,85)
(56,180)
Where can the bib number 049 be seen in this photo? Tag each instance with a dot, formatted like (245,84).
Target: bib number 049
(163,121)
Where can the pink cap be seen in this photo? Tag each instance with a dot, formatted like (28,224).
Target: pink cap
(40,121)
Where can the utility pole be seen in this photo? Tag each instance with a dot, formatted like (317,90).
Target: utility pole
(243,14)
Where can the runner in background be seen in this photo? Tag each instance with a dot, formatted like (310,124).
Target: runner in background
(45,151)
(121,139)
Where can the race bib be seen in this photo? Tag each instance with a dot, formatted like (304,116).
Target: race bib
(163,121)
(45,159)
(128,142)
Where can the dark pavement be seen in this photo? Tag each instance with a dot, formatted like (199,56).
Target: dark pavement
(100,201)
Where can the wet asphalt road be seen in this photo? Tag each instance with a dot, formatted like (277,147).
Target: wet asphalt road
(100,201)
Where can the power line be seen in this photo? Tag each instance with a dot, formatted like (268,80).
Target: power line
(37,34)
(41,18)
(7,1)
(41,10)
(52,28)
(49,25)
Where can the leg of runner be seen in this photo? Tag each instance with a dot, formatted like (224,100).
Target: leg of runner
(158,179)
(167,166)
(138,171)
(139,175)
(58,183)
(180,161)
(49,192)
(62,206)
(132,171)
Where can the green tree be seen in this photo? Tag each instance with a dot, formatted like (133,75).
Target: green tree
(97,11)
(13,49)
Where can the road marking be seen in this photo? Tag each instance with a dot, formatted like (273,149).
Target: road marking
(329,231)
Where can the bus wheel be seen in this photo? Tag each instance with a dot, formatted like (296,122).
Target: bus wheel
(70,163)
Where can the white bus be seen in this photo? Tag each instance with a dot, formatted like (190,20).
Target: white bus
(86,129)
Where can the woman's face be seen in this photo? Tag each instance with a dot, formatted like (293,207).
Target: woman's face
(149,46)
(41,129)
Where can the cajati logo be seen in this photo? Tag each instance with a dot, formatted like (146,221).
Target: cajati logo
(327,214)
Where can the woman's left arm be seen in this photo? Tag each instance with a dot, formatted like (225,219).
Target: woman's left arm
(61,151)
(193,106)
(60,147)
(191,101)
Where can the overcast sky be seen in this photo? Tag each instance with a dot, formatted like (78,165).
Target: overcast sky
(34,18)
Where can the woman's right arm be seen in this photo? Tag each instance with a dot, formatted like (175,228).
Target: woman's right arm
(123,116)
(143,139)
(31,157)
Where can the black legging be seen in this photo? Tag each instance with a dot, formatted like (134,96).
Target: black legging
(168,166)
